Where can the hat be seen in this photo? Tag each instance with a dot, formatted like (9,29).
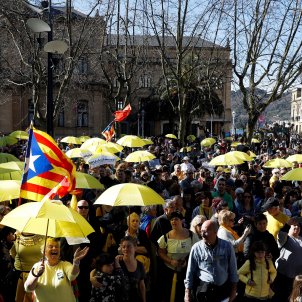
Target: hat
(219,169)
(239,191)
(271,202)
(227,170)
(186,158)
(176,214)
(274,171)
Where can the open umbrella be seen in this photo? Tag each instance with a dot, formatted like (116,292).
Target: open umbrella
(295,157)
(277,163)
(5,157)
(93,142)
(99,159)
(255,141)
(251,154)
(226,160)
(13,175)
(7,141)
(71,140)
(139,156)
(191,137)
(79,152)
(132,141)
(49,219)
(84,138)
(292,175)
(186,149)
(19,134)
(208,142)
(129,194)
(11,166)
(170,135)
(147,141)
(235,144)
(242,155)
(86,181)
(9,189)
(110,147)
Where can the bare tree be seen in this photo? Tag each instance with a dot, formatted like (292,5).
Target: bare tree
(267,44)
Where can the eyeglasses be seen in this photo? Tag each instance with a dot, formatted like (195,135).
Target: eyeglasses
(83,207)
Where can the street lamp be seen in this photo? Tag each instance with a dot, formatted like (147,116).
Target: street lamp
(143,123)
(233,116)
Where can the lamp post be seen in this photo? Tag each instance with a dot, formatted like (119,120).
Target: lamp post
(143,123)
(233,123)
(138,123)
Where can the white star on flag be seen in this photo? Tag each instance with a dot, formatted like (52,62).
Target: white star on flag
(30,161)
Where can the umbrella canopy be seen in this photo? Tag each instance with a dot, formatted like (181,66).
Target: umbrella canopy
(5,157)
(226,160)
(208,142)
(71,140)
(93,142)
(110,147)
(139,156)
(99,159)
(147,141)
(47,218)
(129,194)
(11,166)
(9,189)
(19,134)
(170,135)
(255,141)
(242,155)
(186,149)
(191,137)
(86,181)
(252,154)
(13,175)
(277,163)
(235,144)
(295,157)
(7,141)
(295,174)
(132,141)
(79,152)
(84,138)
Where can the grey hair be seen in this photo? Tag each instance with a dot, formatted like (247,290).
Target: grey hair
(167,203)
(197,220)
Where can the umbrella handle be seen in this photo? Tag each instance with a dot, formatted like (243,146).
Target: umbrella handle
(44,248)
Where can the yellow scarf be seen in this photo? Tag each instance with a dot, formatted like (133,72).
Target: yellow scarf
(235,235)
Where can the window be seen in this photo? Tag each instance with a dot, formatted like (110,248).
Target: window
(61,118)
(145,81)
(120,105)
(82,114)
(82,66)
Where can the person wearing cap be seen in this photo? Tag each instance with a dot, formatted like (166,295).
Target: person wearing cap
(276,220)
(174,247)
(289,263)
(186,165)
(212,269)
(274,178)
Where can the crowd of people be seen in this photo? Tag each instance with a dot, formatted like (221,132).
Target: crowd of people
(224,233)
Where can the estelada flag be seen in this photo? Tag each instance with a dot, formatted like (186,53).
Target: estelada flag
(109,132)
(120,115)
(48,171)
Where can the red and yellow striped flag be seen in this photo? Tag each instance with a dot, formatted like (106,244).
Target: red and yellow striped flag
(48,171)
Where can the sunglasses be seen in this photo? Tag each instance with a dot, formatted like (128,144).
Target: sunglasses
(83,207)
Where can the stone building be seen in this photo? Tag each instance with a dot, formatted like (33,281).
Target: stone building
(296,110)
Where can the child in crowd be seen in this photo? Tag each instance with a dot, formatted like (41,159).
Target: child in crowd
(106,280)
(296,295)
(251,273)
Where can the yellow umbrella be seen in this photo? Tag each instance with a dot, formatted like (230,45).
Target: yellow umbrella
(5,157)
(191,137)
(295,174)
(295,157)
(170,135)
(235,144)
(251,154)
(186,149)
(84,138)
(71,140)
(226,160)
(11,166)
(78,152)
(132,141)
(19,134)
(129,194)
(93,144)
(7,141)
(255,141)
(9,189)
(47,218)
(242,155)
(99,159)
(13,175)
(86,181)
(277,163)
(110,147)
(148,141)
(208,142)
(139,156)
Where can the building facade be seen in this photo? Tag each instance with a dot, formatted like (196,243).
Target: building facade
(296,109)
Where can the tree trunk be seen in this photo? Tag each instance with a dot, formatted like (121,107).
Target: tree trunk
(252,121)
